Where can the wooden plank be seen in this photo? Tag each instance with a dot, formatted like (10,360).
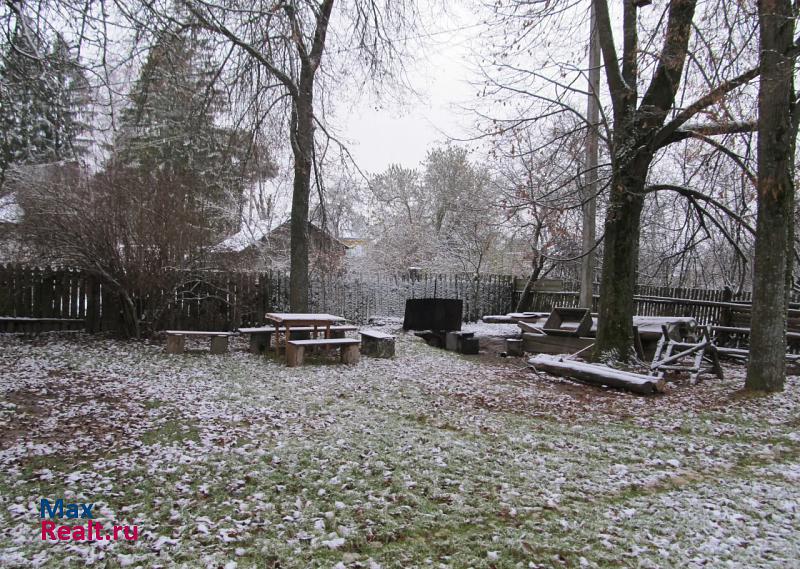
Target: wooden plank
(196,333)
(325,342)
(543,344)
(377,334)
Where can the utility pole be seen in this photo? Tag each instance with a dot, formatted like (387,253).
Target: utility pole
(590,171)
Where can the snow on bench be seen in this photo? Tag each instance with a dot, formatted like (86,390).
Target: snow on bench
(377,344)
(597,374)
(176,340)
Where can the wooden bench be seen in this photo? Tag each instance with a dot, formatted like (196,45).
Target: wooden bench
(24,325)
(377,344)
(295,349)
(261,337)
(176,340)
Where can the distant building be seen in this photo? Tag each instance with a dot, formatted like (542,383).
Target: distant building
(258,248)
(356,246)
(11,247)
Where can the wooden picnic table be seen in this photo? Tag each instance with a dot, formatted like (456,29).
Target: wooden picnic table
(288,320)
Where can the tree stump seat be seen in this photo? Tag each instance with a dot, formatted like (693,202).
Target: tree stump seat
(462,342)
(377,344)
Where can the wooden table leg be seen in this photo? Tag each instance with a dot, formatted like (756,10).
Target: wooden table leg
(287,335)
(328,337)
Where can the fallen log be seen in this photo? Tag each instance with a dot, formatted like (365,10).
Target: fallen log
(597,374)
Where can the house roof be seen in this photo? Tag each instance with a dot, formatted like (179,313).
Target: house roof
(286,225)
(10,211)
(257,232)
(250,234)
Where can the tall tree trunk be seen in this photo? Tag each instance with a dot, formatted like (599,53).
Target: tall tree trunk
(302,146)
(589,208)
(773,251)
(620,260)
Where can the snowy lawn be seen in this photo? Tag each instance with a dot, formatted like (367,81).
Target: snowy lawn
(428,460)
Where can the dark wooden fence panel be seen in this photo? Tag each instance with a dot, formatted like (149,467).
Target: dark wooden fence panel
(34,292)
(708,306)
(224,301)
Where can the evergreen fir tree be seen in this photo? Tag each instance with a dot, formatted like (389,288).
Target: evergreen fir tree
(43,102)
(169,139)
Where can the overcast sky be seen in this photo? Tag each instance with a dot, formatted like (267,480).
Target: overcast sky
(402,134)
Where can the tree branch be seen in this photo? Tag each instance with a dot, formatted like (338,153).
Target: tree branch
(285,79)
(616,84)
(666,80)
(712,97)
(695,195)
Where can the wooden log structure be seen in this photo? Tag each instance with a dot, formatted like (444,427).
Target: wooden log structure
(498,319)
(597,374)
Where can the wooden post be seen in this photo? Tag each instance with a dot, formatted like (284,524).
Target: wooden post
(175,344)
(294,355)
(219,344)
(514,347)
(350,354)
(259,342)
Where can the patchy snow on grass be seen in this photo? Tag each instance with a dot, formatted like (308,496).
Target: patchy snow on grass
(429,459)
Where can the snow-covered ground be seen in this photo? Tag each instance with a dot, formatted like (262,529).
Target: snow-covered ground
(428,460)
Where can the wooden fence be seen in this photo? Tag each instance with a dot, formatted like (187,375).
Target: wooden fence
(223,301)
(707,306)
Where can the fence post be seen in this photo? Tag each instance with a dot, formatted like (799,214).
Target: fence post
(92,293)
(726,314)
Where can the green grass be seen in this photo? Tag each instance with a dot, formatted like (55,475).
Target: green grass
(407,463)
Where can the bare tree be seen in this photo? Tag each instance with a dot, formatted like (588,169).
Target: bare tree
(280,49)
(141,244)
(697,85)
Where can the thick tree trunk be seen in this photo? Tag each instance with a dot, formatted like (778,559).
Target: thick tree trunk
(772,269)
(620,260)
(302,147)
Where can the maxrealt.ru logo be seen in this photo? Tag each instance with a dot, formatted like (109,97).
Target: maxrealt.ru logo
(78,511)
